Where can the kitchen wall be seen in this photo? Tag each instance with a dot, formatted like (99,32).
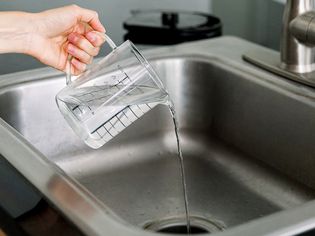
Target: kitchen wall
(112,13)
(255,20)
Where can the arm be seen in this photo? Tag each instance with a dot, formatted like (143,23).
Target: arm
(15,28)
(52,35)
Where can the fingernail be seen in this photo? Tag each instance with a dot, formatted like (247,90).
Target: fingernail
(91,36)
(70,48)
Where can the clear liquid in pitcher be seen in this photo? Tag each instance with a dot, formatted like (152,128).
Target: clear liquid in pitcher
(101,118)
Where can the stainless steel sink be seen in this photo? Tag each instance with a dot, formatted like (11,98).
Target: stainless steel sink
(248,141)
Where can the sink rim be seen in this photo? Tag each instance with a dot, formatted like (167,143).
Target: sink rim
(285,222)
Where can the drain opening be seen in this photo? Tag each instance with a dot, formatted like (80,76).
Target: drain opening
(177,225)
(182,229)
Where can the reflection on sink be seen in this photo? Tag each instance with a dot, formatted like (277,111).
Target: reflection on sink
(247,145)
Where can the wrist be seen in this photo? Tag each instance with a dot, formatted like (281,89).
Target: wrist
(16,32)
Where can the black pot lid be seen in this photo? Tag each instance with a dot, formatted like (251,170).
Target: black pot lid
(164,19)
(159,20)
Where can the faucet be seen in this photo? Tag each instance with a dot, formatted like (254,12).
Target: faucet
(298,36)
(296,60)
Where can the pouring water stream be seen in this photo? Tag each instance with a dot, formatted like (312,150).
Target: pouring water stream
(171,107)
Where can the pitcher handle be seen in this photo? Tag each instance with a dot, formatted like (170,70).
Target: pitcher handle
(68,70)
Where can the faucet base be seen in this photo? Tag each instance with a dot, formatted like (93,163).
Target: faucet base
(270,60)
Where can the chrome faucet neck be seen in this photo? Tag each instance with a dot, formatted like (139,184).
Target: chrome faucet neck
(297,56)
(300,5)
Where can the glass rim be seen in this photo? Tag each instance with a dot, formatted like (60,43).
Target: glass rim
(145,64)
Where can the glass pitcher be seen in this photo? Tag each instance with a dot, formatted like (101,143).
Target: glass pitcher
(111,95)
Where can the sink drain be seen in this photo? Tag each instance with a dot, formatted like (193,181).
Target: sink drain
(178,225)
(182,229)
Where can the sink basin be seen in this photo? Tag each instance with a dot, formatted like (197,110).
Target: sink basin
(248,141)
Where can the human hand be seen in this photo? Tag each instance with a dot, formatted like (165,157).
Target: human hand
(67,30)
(52,35)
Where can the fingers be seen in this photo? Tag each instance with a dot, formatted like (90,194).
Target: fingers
(90,17)
(79,54)
(77,67)
(83,49)
(95,38)
(82,43)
